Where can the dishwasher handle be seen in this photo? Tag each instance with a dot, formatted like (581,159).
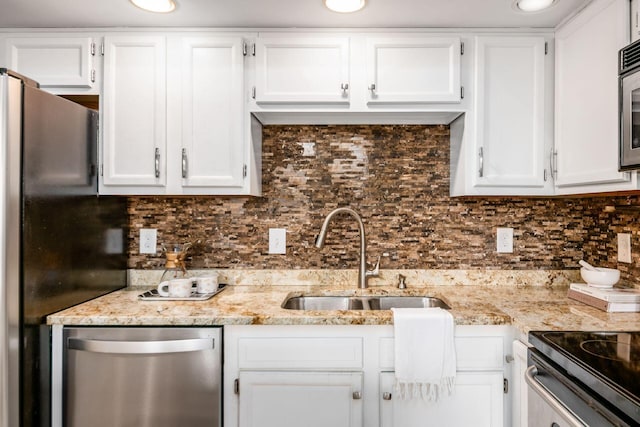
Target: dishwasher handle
(141,347)
(558,408)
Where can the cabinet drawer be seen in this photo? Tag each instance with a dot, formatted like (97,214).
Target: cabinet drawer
(472,353)
(299,353)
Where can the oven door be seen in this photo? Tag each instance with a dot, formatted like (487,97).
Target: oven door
(630,121)
(555,400)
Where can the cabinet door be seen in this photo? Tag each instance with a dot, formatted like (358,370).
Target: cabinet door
(510,113)
(413,69)
(62,62)
(520,388)
(211,154)
(134,114)
(477,400)
(293,399)
(302,70)
(586,121)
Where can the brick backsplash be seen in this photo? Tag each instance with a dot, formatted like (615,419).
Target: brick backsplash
(397,177)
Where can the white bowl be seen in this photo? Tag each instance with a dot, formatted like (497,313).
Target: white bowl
(601,277)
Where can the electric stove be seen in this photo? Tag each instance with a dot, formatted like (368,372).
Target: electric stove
(605,365)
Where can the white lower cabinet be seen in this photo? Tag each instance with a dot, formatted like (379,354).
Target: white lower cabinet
(343,376)
(293,399)
(520,387)
(476,401)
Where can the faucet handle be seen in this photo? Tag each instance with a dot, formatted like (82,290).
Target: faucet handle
(401,282)
(376,269)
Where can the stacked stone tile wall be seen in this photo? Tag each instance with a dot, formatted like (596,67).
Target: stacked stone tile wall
(397,177)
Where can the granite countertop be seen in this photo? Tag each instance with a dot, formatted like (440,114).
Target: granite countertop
(525,307)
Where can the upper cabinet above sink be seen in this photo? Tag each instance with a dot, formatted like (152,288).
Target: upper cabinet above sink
(357,72)
(418,69)
(302,69)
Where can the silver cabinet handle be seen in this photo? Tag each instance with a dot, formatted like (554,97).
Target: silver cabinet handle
(184,163)
(481,156)
(140,347)
(157,162)
(386,396)
(549,398)
(372,88)
(554,164)
(357,395)
(345,88)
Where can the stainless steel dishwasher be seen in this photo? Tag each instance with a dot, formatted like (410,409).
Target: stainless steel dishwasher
(151,376)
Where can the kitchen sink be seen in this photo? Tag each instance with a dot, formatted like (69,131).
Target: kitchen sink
(361,303)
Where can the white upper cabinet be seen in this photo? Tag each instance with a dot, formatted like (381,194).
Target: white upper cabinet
(413,69)
(586,83)
(211,86)
(358,72)
(510,114)
(501,146)
(302,69)
(134,115)
(173,117)
(61,63)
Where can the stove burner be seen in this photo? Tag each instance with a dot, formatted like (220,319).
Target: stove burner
(618,351)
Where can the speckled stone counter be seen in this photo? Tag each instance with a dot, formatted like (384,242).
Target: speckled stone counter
(525,307)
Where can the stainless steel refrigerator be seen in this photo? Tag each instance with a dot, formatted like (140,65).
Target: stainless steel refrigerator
(60,244)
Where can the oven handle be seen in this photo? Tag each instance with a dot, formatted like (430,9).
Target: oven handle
(558,408)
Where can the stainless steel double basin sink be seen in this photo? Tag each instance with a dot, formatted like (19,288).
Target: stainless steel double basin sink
(361,303)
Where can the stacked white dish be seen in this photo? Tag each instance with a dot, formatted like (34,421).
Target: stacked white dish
(599,277)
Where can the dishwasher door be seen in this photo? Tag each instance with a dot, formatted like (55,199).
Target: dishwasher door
(129,376)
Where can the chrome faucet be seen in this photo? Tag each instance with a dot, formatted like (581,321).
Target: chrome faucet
(363,273)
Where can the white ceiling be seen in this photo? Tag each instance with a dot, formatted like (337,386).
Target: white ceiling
(280,13)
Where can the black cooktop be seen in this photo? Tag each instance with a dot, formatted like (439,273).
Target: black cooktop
(606,362)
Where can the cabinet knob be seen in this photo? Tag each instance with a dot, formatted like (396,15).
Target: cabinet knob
(345,88)
(386,396)
(357,395)
(372,88)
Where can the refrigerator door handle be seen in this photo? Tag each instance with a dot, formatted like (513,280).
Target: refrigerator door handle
(140,347)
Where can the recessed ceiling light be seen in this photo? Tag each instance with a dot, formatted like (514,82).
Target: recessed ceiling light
(344,6)
(160,6)
(533,5)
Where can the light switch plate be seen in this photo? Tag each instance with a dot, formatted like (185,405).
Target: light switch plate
(504,240)
(148,240)
(624,247)
(277,240)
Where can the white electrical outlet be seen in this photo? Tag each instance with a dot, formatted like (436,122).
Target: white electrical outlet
(148,240)
(624,247)
(277,240)
(504,240)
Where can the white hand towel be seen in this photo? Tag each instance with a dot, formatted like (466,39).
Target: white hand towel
(425,357)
